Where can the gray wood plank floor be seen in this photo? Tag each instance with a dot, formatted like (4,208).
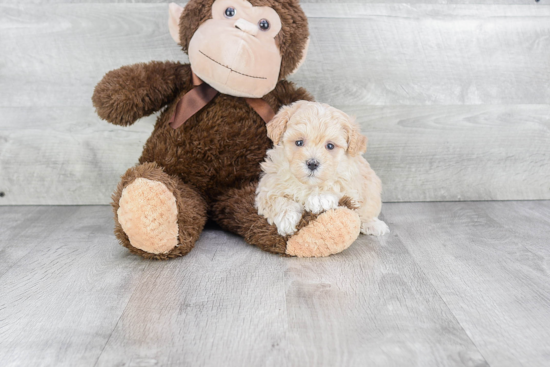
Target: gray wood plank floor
(454,284)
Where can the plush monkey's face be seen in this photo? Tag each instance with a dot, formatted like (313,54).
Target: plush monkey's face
(235,51)
(235,46)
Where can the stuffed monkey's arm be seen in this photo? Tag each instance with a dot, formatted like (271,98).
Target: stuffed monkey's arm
(127,94)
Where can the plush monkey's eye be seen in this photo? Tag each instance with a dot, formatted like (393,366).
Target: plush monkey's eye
(299,143)
(230,12)
(330,146)
(264,24)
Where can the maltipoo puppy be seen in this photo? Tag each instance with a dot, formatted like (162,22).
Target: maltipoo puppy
(316,160)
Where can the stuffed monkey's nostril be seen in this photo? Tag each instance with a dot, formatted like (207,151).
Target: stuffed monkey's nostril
(312,164)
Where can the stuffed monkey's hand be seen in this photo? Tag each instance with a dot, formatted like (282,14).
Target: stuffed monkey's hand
(127,94)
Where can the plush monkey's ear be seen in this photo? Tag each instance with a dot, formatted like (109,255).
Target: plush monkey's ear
(174,11)
(357,142)
(303,59)
(277,126)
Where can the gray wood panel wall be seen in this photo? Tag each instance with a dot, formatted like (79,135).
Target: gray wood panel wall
(454,95)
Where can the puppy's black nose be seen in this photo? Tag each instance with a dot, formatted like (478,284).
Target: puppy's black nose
(312,164)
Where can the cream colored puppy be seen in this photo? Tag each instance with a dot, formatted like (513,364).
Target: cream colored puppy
(316,160)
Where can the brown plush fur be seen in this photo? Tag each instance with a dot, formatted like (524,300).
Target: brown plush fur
(235,212)
(212,162)
(127,94)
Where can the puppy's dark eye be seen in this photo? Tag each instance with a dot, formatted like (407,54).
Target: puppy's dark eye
(330,146)
(230,12)
(299,143)
(264,24)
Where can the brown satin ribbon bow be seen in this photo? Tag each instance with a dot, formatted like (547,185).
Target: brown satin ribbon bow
(198,97)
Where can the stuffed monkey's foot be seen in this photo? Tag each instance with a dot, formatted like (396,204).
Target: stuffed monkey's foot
(149,216)
(157,216)
(330,233)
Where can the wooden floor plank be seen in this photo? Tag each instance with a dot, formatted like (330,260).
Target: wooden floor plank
(491,267)
(221,305)
(230,304)
(59,304)
(22,229)
(371,305)
(530,222)
(454,284)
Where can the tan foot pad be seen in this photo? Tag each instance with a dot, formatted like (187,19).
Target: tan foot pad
(332,232)
(149,216)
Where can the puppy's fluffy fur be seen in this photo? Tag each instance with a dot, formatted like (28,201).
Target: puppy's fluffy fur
(316,160)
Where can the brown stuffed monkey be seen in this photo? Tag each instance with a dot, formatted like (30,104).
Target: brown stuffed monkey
(203,158)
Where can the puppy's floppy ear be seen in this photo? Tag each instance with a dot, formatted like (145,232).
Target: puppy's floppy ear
(357,142)
(277,126)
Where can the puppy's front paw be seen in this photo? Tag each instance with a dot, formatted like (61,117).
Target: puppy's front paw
(287,221)
(320,203)
(375,227)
